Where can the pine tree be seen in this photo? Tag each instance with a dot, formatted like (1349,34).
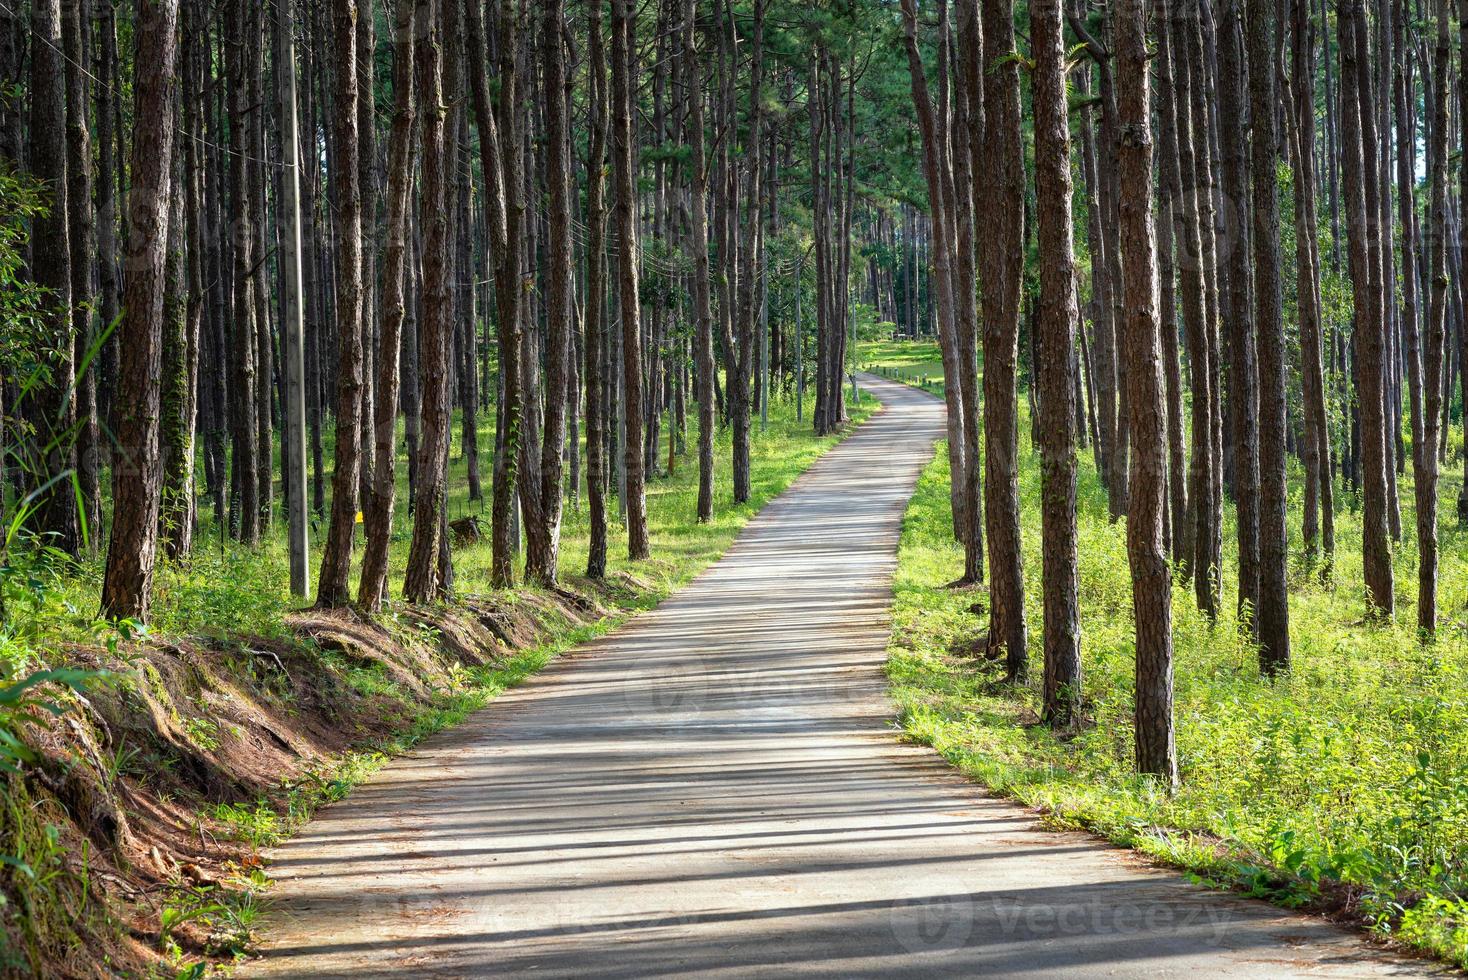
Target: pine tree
(137,474)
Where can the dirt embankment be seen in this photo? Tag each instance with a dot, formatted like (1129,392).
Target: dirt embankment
(130,847)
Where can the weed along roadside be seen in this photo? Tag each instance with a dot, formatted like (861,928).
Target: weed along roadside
(174,757)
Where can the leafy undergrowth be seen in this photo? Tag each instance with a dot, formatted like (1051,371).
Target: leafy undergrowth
(152,771)
(1342,787)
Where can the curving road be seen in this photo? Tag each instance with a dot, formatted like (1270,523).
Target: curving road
(715,791)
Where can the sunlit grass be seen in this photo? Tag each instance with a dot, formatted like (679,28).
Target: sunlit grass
(917,363)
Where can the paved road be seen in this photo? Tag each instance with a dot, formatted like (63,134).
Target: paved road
(715,791)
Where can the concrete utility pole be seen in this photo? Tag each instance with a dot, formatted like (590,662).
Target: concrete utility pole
(764,358)
(294,327)
(799,349)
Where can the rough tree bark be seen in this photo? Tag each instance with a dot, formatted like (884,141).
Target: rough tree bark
(624,152)
(504,198)
(1272,614)
(541,558)
(1426,463)
(1002,262)
(748,275)
(703,318)
(1171,216)
(136,476)
(368,183)
(596,320)
(244,443)
(1201,369)
(1317,448)
(265,374)
(179,382)
(966,314)
(1151,571)
(334,588)
(1360,193)
(52,409)
(935,168)
(106,192)
(424,581)
(1236,296)
(187,291)
(1463,237)
(378,508)
(1054,368)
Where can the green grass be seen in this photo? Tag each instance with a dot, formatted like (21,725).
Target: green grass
(903,355)
(917,363)
(1343,784)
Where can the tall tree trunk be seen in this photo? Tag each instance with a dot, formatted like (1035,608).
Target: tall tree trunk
(221,426)
(424,581)
(1237,302)
(367,169)
(1106,276)
(1409,316)
(968,177)
(703,318)
(1390,332)
(468,292)
(52,409)
(748,274)
(1463,243)
(541,558)
(82,238)
(312,255)
(1147,514)
(1361,192)
(1273,615)
(597,381)
(1103,363)
(624,155)
(1201,369)
(379,502)
(265,374)
(502,162)
(1317,450)
(1002,260)
(935,170)
(243,409)
(1171,218)
(1426,462)
(109,289)
(334,587)
(1054,369)
(187,290)
(180,381)
(136,479)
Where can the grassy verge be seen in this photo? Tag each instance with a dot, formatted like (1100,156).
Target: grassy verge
(917,363)
(1342,786)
